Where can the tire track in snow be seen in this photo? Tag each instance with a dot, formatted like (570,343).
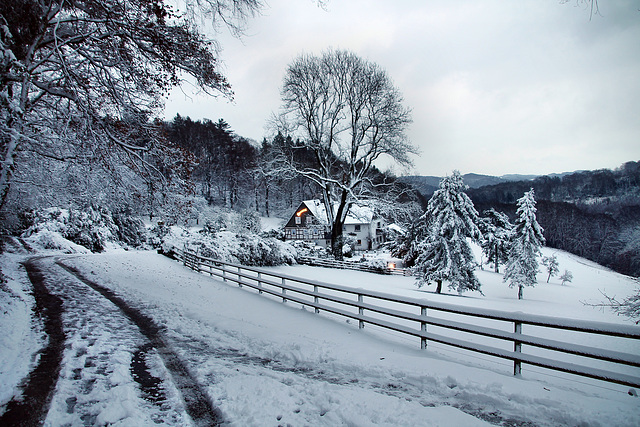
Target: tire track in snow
(197,404)
(31,407)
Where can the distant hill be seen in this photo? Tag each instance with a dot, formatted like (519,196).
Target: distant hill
(427,185)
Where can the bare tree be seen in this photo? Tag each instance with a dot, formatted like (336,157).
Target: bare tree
(347,114)
(96,71)
(592,5)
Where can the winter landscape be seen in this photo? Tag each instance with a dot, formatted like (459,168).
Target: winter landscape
(286,239)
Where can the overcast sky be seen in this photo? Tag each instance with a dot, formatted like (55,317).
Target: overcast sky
(496,87)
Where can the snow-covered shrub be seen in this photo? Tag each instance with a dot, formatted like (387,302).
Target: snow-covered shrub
(309,249)
(157,234)
(378,264)
(276,233)
(250,221)
(566,277)
(216,223)
(247,249)
(52,240)
(349,246)
(130,229)
(93,228)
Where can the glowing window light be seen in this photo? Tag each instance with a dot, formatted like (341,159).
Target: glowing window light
(301,211)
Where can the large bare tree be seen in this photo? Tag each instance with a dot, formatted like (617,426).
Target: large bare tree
(93,72)
(347,114)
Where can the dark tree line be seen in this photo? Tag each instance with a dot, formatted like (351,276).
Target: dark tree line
(232,171)
(593,214)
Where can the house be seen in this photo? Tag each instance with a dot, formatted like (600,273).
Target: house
(310,223)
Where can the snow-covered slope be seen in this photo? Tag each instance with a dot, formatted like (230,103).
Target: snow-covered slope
(263,362)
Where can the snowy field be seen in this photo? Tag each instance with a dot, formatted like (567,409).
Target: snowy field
(265,363)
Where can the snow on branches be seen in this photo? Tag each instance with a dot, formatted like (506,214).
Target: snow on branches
(526,241)
(444,252)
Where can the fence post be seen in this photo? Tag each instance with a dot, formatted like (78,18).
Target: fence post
(423,328)
(315,298)
(224,273)
(239,278)
(517,348)
(360,312)
(259,283)
(284,291)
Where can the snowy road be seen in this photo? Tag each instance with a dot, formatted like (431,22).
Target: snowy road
(141,333)
(102,354)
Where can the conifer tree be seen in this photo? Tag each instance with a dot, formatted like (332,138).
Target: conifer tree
(526,241)
(444,252)
(552,265)
(496,230)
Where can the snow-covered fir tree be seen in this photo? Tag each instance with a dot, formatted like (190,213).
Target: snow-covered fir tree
(444,252)
(526,241)
(496,230)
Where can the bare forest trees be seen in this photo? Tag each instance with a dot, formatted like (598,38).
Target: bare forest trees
(347,114)
(80,81)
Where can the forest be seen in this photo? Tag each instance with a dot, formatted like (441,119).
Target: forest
(593,214)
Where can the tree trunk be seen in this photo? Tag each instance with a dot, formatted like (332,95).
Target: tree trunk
(336,228)
(438,286)
(9,152)
(336,240)
(495,260)
(520,289)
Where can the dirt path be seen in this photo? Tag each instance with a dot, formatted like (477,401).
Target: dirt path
(96,341)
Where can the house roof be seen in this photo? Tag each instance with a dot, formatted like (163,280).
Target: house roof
(358,214)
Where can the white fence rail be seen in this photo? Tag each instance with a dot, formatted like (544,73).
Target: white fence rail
(456,326)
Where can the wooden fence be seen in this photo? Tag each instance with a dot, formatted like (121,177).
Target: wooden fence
(390,268)
(503,338)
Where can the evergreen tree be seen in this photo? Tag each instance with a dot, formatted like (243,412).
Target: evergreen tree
(526,241)
(552,266)
(496,229)
(444,252)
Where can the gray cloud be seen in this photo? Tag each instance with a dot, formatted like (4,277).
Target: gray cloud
(496,87)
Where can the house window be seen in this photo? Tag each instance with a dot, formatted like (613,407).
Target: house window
(358,227)
(359,242)
(298,220)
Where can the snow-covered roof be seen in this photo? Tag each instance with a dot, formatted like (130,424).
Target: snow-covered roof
(358,214)
(395,227)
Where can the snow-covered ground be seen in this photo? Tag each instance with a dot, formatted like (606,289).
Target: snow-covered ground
(263,362)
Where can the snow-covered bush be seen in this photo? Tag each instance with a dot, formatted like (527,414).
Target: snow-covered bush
(378,264)
(566,277)
(250,221)
(349,246)
(246,249)
(93,228)
(309,249)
